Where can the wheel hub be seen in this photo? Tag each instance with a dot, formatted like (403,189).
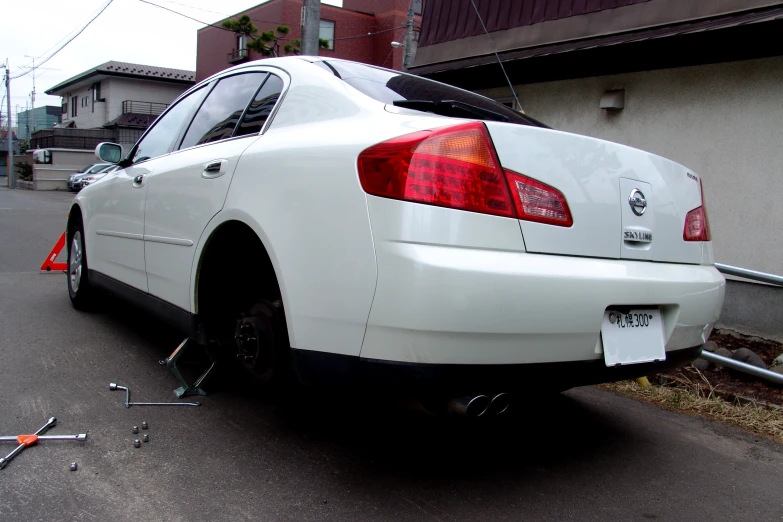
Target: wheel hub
(254,343)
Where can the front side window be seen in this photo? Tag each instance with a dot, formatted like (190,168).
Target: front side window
(219,114)
(326,32)
(261,107)
(160,137)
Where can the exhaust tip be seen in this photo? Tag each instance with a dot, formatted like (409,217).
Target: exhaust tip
(499,404)
(469,405)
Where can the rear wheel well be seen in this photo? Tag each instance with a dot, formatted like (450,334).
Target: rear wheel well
(234,273)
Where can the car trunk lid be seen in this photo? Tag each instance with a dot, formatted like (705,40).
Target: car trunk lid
(625,203)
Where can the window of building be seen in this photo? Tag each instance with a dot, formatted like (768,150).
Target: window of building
(261,107)
(219,114)
(74,101)
(65,108)
(326,32)
(241,42)
(160,137)
(96,92)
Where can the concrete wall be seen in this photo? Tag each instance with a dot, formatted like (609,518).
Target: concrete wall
(65,162)
(724,121)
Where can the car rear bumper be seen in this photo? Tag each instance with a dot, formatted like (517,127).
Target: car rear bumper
(321,369)
(461,306)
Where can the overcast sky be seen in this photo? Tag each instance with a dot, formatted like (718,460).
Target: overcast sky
(127,31)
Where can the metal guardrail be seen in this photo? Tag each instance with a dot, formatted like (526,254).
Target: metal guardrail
(237,56)
(743,367)
(750,274)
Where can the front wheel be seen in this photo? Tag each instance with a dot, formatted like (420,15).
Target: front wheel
(80,291)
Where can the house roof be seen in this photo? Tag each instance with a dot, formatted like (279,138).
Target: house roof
(534,28)
(129,70)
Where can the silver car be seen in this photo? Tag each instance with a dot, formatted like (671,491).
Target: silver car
(75,180)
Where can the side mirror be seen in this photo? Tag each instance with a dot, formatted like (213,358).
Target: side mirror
(109,152)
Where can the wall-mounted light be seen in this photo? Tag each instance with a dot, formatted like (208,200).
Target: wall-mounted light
(613,100)
(397,44)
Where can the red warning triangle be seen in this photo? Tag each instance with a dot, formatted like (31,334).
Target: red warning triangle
(49,264)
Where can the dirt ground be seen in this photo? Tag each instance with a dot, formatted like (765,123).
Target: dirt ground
(726,383)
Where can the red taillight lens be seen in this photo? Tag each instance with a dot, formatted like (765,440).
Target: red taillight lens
(538,201)
(456,167)
(697,225)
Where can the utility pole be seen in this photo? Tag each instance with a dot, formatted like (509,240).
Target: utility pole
(311,27)
(10,171)
(408,38)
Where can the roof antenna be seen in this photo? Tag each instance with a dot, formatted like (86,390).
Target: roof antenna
(519,105)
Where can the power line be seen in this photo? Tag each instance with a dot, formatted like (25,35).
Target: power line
(53,46)
(184,15)
(66,43)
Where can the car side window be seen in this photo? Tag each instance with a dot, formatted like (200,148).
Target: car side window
(158,140)
(218,116)
(261,107)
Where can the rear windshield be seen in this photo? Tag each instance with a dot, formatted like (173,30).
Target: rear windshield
(392,86)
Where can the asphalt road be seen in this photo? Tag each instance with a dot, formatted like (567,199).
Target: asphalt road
(583,455)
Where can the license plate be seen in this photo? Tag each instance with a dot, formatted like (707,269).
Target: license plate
(632,337)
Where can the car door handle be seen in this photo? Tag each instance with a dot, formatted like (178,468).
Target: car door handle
(213,169)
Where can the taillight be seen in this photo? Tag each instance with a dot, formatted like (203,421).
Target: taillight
(697,225)
(538,201)
(457,167)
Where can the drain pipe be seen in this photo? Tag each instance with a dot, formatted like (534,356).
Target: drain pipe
(775,377)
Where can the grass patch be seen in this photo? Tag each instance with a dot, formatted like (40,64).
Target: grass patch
(699,398)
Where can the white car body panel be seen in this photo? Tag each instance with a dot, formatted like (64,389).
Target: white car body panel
(115,228)
(180,203)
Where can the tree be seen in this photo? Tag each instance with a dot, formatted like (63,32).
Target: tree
(268,42)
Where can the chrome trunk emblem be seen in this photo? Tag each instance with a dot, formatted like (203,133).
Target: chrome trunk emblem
(638,202)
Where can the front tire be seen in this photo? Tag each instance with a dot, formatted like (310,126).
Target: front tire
(80,291)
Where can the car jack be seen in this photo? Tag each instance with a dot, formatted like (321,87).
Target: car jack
(171,362)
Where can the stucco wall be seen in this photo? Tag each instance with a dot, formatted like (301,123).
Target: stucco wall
(117,90)
(724,121)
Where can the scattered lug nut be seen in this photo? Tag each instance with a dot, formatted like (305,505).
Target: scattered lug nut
(144,425)
(135,429)
(74,466)
(145,438)
(137,443)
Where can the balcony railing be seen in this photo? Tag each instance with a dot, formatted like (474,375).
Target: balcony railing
(142,107)
(237,56)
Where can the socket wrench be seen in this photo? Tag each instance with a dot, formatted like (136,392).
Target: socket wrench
(128,403)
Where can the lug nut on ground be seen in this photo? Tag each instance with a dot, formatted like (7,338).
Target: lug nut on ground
(74,466)
(137,443)
(135,429)
(145,438)
(144,425)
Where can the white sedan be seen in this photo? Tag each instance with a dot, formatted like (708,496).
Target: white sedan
(366,227)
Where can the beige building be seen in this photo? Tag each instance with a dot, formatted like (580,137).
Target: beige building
(697,82)
(119,95)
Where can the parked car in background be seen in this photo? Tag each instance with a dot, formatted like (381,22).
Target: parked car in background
(92,178)
(75,180)
(362,226)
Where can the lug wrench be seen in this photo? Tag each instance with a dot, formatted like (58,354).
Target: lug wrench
(28,440)
(128,403)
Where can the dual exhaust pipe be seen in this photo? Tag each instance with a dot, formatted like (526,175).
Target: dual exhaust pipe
(475,406)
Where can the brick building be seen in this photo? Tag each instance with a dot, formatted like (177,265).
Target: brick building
(361,30)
